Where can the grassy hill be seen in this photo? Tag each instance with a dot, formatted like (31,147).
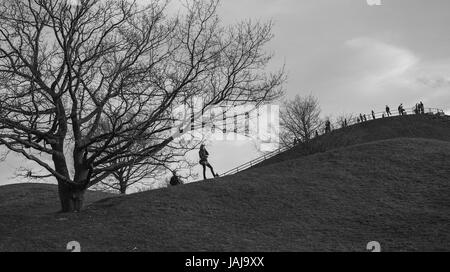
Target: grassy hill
(412,126)
(393,189)
(36,198)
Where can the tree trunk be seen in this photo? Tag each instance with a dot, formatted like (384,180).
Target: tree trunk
(71,197)
(123,186)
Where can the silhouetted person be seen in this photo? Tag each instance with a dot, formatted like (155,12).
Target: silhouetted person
(327,126)
(365,118)
(361,117)
(175,180)
(422,108)
(401,110)
(388,111)
(373,115)
(203,153)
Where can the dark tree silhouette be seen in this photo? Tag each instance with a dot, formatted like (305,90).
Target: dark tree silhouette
(300,118)
(344,118)
(67,69)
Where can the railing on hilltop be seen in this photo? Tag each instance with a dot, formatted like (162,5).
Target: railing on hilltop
(334,126)
(256,161)
(382,114)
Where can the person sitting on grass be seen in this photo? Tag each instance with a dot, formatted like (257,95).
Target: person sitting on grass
(175,180)
(203,153)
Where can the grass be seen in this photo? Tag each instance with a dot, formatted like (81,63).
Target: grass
(394,190)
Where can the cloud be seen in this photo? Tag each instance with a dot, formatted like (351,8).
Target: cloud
(382,69)
(434,75)
(381,64)
(436,83)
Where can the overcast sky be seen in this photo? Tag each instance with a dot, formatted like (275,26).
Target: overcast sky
(352,56)
(355,57)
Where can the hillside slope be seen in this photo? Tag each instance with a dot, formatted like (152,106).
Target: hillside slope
(36,198)
(392,191)
(411,126)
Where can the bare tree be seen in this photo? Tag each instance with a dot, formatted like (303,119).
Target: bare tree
(344,120)
(66,69)
(300,119)
(151,170)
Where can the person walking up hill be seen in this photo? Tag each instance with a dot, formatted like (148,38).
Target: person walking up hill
(203,153)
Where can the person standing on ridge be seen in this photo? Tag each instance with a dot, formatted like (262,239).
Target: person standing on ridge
(401,111)
(327,126)
(388,111)
(373,115)
(203,153)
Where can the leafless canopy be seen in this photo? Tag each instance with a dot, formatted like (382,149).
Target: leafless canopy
(300,119)
(66,70)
